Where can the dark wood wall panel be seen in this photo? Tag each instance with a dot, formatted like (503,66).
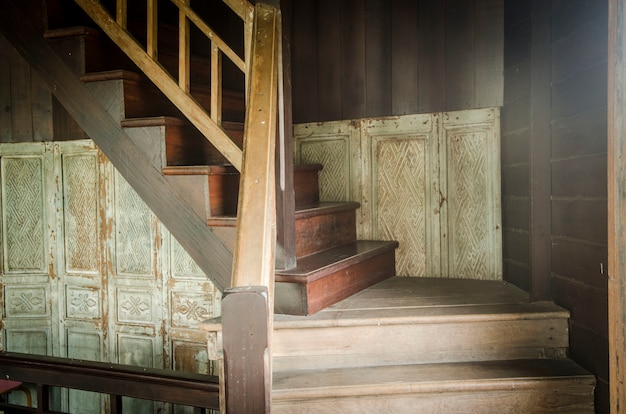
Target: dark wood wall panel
(371,58)
(377,57)
(304,60)
(460,50)
(329,60)
(353,62)
(404,57)
(574,190)
(25,100)
(432,48)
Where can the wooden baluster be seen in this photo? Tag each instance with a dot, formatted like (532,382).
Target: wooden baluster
(153,29)
(216,83)
(183,49)
(121,13)
(115,402)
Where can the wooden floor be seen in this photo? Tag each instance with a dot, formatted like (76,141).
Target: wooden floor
(424,345)
(427,298)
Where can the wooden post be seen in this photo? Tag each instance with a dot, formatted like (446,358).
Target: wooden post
(285,197)
(617,204)
(245,339)
(540,151)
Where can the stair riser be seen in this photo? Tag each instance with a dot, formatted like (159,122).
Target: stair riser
(304,299)
(87,53)
(317,233)
(543,397)
(356,346)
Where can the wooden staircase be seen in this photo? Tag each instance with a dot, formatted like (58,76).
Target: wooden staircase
(413,345)
(332,264)
(371,342)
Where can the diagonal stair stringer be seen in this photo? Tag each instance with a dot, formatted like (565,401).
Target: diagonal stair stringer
(133,164)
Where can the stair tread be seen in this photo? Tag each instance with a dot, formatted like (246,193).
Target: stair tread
(115,74)
(402,379)
(427,300)
(300,213)
(70,32)
(200,170)
(311,267)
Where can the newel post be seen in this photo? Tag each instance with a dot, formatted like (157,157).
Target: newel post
(245,341)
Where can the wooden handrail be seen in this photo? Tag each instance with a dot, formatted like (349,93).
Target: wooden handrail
(177,387)
(256,219)
(179,96)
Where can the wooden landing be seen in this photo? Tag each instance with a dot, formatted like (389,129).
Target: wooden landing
(516,386)
(424,345)
(417,321)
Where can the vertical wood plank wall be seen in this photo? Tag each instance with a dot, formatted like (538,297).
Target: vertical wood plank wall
(371,58)
(573,192)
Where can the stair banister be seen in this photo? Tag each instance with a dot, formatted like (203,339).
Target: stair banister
(181,98)
(251,298)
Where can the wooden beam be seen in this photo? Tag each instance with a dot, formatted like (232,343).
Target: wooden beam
(617,204)
(156,191)
(540,153)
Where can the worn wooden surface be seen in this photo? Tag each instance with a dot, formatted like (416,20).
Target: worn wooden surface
(483,342)
(425,320)
(617,206)
(534,386)
(113,285)
(447,165)
(196,114)
(246,336)
(328,276)
(378,58)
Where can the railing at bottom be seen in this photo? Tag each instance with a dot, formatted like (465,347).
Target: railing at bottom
(176,387)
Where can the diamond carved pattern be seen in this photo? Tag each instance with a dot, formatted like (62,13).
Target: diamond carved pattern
(134,231)
(190,309)
(467,187)
(82,303)
(134,306)
(183,266)
(81,214)
(23,215)
(25,301)
(401,201)
(334,178)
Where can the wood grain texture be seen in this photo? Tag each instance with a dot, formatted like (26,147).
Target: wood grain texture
(616,205)
(541,386)
(392,58)
(425,320)
(129,159)
(329,276)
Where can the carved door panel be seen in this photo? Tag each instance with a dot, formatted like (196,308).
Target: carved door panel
(471,220)
(400,194)
(29,319)
(89,272)
(81,258)
(430,181)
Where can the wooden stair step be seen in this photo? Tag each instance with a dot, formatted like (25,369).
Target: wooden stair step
(476,320)
(325,278)
(212,180)
(86,49)
(127,94)
(509,386)
(306,180)
(184,144)
(140,98)
(318,227)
